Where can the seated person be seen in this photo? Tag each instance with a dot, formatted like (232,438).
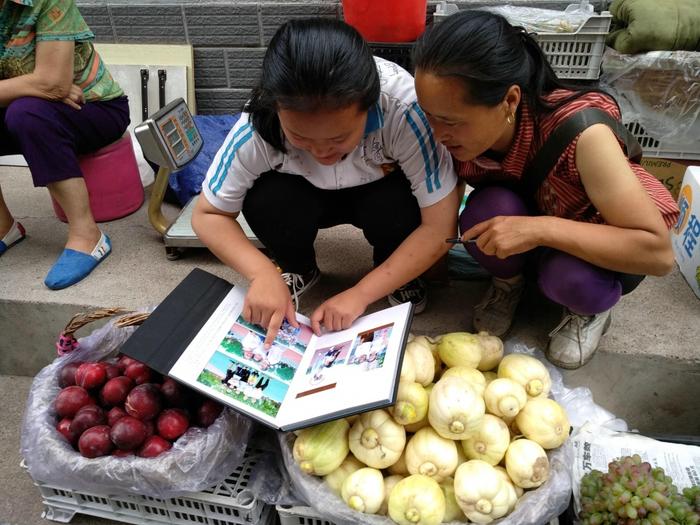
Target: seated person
(57,100)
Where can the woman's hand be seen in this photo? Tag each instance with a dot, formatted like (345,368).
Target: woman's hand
(267,303)
(504,236)
(75,97)
(339,312)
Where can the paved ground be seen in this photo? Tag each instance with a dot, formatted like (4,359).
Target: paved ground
(647,370)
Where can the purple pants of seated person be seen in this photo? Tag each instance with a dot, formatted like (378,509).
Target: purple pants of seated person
(582,287)
(51,135)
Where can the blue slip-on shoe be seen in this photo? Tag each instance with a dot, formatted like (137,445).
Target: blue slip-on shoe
(12,237)
(74,266)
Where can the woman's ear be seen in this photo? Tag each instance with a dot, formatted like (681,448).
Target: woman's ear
(512,99)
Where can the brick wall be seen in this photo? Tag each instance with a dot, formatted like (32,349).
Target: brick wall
(228,37)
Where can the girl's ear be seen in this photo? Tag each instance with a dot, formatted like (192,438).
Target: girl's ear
(512,99)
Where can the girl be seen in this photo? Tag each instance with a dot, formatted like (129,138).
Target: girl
(330,136)
(597,224)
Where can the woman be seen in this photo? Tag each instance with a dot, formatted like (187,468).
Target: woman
(596,224)
(330,136)
(57,101)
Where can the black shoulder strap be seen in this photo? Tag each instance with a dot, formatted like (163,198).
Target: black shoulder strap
(553,148)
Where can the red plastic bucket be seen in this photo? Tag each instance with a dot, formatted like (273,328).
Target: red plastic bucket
(113,182)
(386,20)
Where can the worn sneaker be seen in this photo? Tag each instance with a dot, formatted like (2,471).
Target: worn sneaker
(299,283)
(414,291)
(574,341)
(494,314)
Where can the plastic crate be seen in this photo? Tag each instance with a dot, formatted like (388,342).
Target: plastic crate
(307,516)
(228,503)
(653,147)
(577,55)
(399,53)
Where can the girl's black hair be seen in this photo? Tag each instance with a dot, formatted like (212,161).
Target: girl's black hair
(490,55)
(312,64)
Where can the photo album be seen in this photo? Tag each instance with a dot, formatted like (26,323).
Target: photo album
(198,336)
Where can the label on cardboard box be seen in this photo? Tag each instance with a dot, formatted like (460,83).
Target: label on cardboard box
(685,235)
(670,172)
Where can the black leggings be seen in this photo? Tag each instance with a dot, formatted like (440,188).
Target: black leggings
(285,212)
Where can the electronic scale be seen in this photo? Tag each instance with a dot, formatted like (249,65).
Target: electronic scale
(170,139)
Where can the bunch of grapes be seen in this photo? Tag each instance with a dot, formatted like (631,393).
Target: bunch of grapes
(634,493)
(692,496)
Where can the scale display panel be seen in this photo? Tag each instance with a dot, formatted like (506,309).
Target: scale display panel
(170,137)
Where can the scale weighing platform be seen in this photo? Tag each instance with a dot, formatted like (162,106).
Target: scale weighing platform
(170,139)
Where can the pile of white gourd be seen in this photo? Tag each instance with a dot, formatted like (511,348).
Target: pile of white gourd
(464,440)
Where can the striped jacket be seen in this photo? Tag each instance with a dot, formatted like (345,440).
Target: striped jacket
(562,193)
(397,133)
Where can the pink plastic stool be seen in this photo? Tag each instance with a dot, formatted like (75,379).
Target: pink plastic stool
(113,181)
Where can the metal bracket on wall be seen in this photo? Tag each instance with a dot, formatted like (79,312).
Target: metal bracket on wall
(162,78)
(144,94)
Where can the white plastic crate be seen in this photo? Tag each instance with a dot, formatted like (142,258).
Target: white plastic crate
(300,516)
(228,503)
(653,147)
(307,516)
(577,55)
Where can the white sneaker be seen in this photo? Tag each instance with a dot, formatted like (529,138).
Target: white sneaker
(494,314)
(574,341)
(299,283)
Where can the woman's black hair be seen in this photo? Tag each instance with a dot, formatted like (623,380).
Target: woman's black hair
(312,64)
(490,55)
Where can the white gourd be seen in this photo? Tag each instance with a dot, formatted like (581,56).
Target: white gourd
(417,500)
(519,491)
(460,349)
(544,421)
(475,378)
(461,456)
(335,479)
(376,439)
(490,376)
(512,492)
(490,441)
(504,397)
(527,463)
(363,490)
(423,361)
(389,484)
(452,510)
(455,409)
(408,370)
(321,449)
(529,371)
(431,455)
(411,403)
(480,491)
(399,468)
(412,428)
(492,351)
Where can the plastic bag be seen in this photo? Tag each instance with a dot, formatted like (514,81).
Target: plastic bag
(198,460)
(659,90)
(187,182)
(534,508)
(537,20)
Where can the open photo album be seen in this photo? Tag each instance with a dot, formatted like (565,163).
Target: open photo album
(198,336)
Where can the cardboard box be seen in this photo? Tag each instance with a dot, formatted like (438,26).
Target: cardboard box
(685,235)
(669,171)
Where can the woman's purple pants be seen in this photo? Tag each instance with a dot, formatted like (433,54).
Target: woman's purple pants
(567,280)
(51,135)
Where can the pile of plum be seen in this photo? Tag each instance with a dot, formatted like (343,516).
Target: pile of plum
(121,407)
